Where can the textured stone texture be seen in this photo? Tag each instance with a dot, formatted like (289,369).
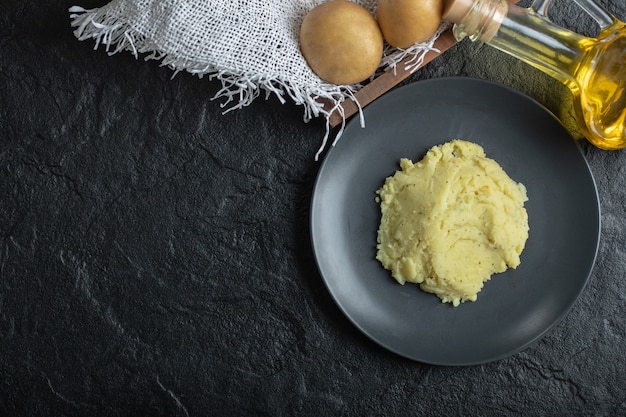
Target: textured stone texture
(155,255)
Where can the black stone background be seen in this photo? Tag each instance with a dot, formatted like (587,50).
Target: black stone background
(155,255)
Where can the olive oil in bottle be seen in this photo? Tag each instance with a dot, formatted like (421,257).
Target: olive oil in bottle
(594,69)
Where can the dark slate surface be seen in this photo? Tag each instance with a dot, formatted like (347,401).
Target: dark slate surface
(155,255)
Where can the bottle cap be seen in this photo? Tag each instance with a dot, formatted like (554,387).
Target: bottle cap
(455,10)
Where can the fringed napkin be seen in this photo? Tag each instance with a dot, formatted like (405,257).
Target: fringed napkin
(251,46)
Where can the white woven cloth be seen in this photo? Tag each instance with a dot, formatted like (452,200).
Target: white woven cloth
(251,46)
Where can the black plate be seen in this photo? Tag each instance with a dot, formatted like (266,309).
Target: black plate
(515,308)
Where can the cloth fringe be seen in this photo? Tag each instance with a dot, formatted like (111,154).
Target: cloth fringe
(393,56)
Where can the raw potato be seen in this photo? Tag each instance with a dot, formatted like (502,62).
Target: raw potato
(450,221)
(407,22)
(341,42)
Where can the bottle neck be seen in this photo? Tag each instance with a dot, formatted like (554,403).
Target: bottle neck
(524,34)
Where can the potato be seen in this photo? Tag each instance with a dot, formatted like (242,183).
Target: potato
(407,22)
(341,42)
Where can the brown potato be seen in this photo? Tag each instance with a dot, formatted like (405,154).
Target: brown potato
(341,42)
(407,22)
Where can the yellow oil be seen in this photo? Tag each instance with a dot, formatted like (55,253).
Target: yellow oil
(600,95)
(594,69)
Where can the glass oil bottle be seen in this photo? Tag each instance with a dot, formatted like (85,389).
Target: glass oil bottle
(594,69)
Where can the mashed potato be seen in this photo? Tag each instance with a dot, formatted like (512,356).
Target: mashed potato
(450,221)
